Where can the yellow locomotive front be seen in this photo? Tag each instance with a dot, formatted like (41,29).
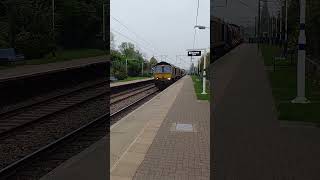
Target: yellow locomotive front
(163,75)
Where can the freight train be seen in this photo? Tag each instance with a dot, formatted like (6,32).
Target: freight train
(165,74)
(224,37)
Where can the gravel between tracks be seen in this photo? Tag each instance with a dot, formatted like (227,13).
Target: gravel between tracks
(26,140)
(43,97)
(119,105)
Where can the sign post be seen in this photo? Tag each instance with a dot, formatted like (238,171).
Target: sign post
(197,52)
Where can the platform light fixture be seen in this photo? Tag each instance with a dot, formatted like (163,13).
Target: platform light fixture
(201,27)
(204,61)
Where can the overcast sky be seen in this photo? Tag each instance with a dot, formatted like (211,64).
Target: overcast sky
(165,27)
(161,27)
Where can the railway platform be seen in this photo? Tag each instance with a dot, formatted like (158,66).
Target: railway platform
(114,84)
(35,70)
(249,141)
(166,138)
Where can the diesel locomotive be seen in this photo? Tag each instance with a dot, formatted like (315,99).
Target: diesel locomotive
(165,74)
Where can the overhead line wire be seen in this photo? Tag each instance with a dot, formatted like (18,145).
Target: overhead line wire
(136,34)
(131,40)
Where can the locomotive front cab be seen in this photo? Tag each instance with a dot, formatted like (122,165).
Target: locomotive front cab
(163,73)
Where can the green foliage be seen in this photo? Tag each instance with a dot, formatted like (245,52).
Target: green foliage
(153,62)
(134,68)
(128,50)
(32,45)
(197,83)
(147,74)
(80,22)
(133,56)
(27,25)
(116,56)
(118,70)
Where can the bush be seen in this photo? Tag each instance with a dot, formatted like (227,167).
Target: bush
(134,68)
(3,43)
(32,45)
(147,74)
(118,70)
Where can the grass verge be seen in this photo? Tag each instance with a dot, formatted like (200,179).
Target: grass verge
(197,83)
(284,89)
(67,55)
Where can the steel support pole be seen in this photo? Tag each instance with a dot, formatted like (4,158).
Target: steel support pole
(301,57)
(204,73)
(142,69)
(104,22)
(53,29)
(259,24)
(127,66)
(53,18)
(286,23)
(281,23)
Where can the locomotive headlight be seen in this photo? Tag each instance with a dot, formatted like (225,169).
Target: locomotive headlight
(169,79)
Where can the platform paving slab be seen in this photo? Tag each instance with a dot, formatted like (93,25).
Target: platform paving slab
(89,164)
(138,130)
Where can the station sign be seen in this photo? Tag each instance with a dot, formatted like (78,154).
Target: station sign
(194,53)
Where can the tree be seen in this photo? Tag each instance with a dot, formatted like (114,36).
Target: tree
(112,41)
(80,22)
(192,68)
(27,25)
(127,49)
(153,61)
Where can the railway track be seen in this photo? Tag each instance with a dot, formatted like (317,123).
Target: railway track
(46,158)
(23,116)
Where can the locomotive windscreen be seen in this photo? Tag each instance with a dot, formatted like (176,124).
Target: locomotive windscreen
(162,69)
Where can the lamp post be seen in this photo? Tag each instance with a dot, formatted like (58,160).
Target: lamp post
(301,57)
(204,62)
